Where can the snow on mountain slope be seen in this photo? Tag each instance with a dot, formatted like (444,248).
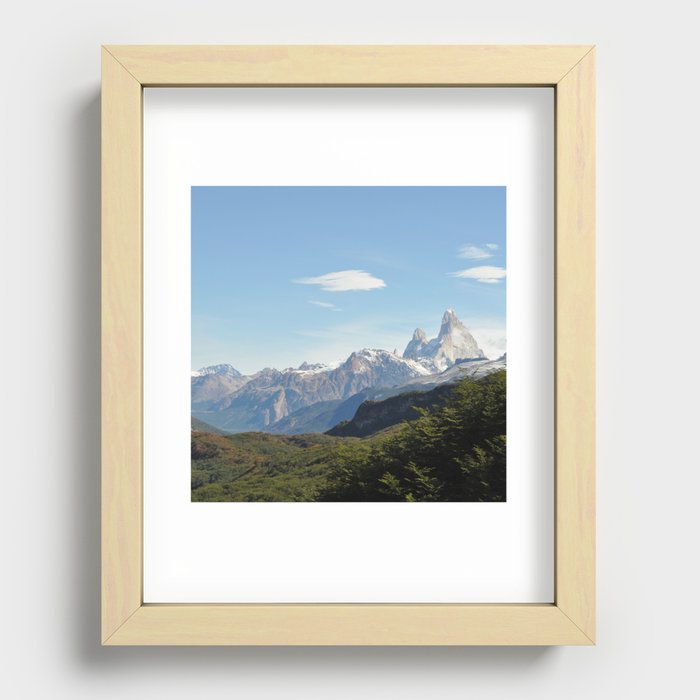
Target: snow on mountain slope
(223,370)
(474,369)
(314,367)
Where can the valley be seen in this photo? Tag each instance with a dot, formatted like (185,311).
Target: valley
(443,445)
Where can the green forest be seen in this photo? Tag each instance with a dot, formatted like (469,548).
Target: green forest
(452,452)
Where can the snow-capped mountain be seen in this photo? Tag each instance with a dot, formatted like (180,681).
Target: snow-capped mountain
(213,383)
(271,394)
(226,399)
(454,342)
(220,370)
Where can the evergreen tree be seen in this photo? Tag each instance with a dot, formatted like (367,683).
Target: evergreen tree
(457,453)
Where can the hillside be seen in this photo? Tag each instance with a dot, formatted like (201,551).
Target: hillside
(373,416)
(201,427)
(454,451)
(259,466)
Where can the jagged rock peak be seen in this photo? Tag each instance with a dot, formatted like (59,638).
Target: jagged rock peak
(454,342)
(449,320)
(416,344)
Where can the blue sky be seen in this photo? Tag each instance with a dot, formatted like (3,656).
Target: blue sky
(283,275)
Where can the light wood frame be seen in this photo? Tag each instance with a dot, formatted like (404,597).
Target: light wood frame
(126,620)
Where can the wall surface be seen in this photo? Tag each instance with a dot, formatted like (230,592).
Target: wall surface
(648,378)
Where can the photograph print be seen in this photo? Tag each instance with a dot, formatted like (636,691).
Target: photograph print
(348,344)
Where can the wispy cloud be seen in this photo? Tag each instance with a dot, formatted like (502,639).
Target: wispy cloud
(324,304)
(344,281)
(491,339)
(488,274)
(475,252)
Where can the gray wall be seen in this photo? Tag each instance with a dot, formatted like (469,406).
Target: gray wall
(648,377)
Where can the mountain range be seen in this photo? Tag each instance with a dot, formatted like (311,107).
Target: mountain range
(316,397)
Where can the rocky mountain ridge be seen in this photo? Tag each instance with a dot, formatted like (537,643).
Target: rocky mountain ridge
(294,399)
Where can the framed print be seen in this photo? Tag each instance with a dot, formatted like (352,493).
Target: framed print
(317,265)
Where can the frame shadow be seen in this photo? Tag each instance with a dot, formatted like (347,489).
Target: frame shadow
(84,512)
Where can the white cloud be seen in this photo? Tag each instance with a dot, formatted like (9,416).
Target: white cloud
(488,274)
(492,340)
(475,252)
(324,305)
(344,281)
